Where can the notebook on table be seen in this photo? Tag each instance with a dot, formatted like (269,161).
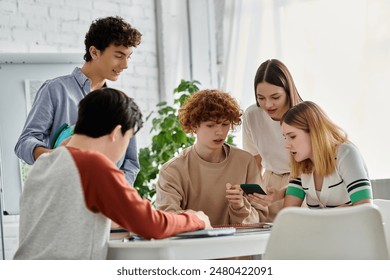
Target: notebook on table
(217,230)
(247,228)
(209,232)
(63,132)
(228,229)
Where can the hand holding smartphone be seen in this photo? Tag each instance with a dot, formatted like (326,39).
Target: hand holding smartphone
(252,188)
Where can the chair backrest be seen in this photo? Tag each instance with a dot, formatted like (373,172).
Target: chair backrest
(380,188)
(384,208)
(348,233)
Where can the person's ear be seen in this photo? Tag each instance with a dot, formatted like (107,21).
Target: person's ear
(94,52)
(114,133)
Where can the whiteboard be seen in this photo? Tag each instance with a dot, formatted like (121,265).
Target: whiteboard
(16,71)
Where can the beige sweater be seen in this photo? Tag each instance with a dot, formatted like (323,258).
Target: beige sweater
(189,182)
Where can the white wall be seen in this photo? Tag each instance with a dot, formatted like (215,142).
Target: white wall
(337,52)
(186,43)
(29,26)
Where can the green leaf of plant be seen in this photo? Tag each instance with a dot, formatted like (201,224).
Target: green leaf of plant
(167,139)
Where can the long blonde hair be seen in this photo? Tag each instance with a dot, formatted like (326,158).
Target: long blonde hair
(325,137)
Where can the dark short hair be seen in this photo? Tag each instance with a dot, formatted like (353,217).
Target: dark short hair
(110,30)
(103,109)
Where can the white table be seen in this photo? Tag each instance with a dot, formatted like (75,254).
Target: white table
(242,244)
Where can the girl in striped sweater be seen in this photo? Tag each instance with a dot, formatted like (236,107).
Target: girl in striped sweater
(326,168)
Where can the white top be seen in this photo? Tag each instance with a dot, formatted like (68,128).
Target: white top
(348,184)
(262,136)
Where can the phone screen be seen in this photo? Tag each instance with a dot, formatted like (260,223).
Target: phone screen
(252,188)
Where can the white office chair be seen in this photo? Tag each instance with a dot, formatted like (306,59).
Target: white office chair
(384,208)
(327,234)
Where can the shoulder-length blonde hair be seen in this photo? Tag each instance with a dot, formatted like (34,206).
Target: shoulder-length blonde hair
(325,137)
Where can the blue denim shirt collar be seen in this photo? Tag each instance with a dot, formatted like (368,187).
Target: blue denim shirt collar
(82,80)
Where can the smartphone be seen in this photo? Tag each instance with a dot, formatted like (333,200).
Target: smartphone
(252,188)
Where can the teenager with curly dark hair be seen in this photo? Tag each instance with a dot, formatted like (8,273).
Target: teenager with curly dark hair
(207,176)
(111,30)
(109,44)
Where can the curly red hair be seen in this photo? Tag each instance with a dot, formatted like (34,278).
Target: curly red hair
(206,105)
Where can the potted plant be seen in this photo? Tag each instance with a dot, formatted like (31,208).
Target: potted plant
(168,139)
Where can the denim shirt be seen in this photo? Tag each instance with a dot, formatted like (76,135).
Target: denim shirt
(56,103)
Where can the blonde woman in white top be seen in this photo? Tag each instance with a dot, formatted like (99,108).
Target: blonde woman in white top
(275,93)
